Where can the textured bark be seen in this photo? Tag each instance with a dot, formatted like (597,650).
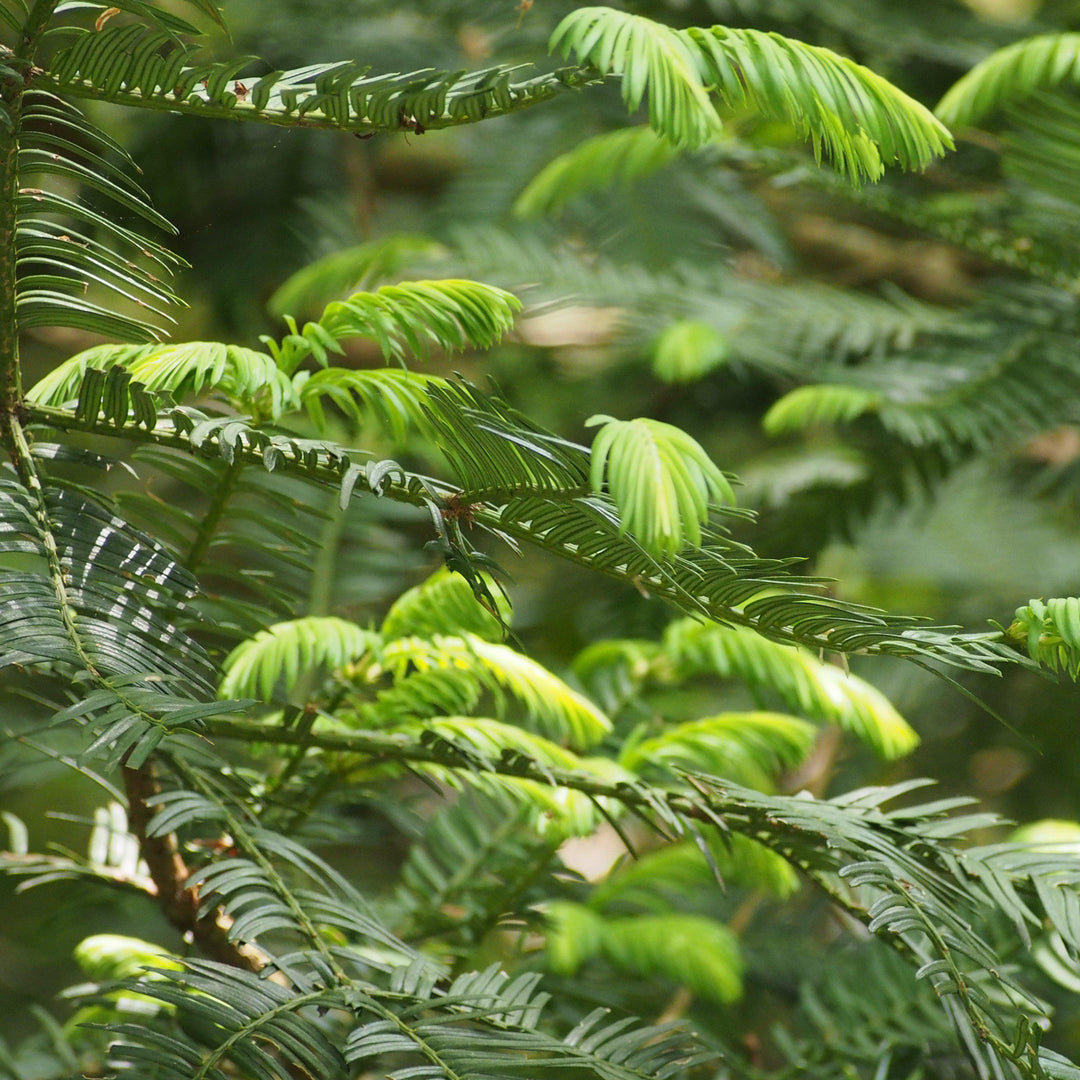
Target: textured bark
(169,872)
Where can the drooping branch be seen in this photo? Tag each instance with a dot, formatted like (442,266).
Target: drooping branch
(713,807)
(720,582)
(894,871)
(457,98)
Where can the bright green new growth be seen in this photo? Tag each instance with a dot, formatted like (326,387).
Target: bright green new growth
(749,747)
(1009,76)
(701,953)
(857,119)
(688,868)
(661,479)
(616,156)
(809,405)
(406,319)
(411,316)
(861,122)
(652,60)
(105,957)
(444,604)
(806,685)
(182,370)
(553,708)
(1050,630)
(285,651)
(431,672)
(687,350)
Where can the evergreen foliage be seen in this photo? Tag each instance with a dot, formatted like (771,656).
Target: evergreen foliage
(205,656)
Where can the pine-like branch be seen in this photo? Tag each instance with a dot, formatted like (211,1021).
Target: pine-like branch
(148,69)
(720,581)
(896,870)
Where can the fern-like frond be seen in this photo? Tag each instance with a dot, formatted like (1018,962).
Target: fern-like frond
(1011,75)
(438,690)
(922,908)
(652,59)
(556,813)
(957,398)
(496,452)
(481,756)
(252,898)
(780,479)
(860,121)
(479,857)
(614,671)
(112,612)
(242,529)
(495,738)
(111,403)
(146,68)
(750,748)
(36,201)
(697,952)
(1050,630)
(282,653)
(660,478)
(552,707)
(824,324)
(595,165)
(720,581)
(396,397)
(726,584)
(86,594)
(63,267)
(245,376)
(490,1025)
(228,1018)
(804,683)
(898,869)
(821,324)
(443,604)
(272,889)
(862,1008)
(411,316)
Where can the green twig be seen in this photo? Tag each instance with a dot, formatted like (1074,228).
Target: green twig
(416,490)
(541,89)
(222,493)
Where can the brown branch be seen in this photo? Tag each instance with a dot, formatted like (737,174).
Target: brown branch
(178,902)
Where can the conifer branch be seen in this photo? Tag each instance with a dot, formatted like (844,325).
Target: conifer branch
(178,902)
